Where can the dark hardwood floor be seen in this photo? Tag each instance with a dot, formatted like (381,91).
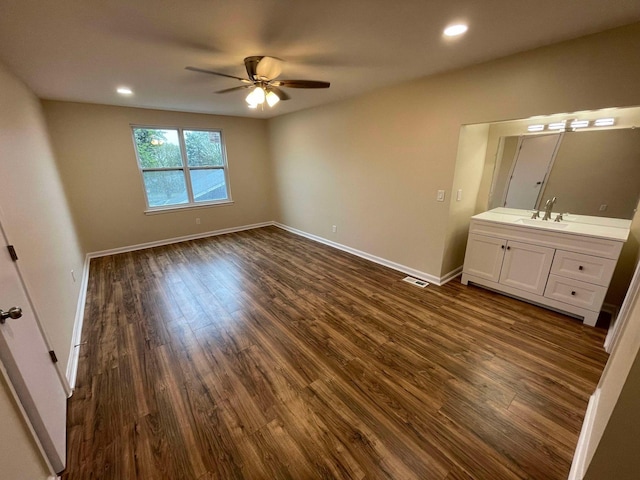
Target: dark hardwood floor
(263,355)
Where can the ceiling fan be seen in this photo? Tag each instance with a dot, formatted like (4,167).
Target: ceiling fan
(262,72)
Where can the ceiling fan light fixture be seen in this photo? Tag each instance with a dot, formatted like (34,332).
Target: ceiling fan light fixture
(272,99)
(262,72)
(256,97)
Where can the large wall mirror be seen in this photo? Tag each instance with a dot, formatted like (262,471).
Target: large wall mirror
(594,172)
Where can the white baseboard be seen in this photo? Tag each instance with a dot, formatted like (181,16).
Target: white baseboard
(169,241)
(579,457)
(614,311)
(76,337)
(74,354)
(373,258)
(451,275)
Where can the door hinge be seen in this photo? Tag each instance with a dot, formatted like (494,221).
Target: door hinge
(52,354)
(12,252)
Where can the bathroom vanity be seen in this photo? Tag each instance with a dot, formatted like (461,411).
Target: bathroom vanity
(566,266)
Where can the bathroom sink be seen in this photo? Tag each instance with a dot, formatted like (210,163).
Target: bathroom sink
(542,223)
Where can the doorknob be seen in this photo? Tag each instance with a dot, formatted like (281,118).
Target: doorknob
(14,312)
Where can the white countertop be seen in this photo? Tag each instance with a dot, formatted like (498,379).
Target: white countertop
(600,227)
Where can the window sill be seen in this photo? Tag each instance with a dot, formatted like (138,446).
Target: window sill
(176,208)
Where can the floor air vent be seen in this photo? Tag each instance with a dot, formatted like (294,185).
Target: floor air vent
(415,281)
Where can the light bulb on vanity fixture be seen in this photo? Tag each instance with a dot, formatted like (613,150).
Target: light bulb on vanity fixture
(557,125)
(579,124)
(604,122)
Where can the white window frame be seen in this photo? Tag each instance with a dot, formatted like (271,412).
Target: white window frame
(185,169)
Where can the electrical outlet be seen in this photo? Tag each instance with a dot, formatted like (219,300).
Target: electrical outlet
(459,195)
(334,228)
(197,220)
(440,196)
(603,207)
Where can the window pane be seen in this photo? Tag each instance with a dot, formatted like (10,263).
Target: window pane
(208,185)
(204,149)
(165,188)
(157,148)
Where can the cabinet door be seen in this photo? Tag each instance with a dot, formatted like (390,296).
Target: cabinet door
(484,256)
(526,267)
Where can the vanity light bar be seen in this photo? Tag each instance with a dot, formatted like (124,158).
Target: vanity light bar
(601,122)
(580,123)
(604,122)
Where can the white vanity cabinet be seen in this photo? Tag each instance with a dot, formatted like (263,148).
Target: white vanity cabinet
(517,264)
(562,270)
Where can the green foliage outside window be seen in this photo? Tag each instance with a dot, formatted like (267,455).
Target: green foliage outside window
(160,157)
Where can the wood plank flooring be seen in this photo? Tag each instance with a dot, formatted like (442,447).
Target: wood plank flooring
(263,355)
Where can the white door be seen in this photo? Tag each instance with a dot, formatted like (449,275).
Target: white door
(532,163)
(526,267)
(26,358)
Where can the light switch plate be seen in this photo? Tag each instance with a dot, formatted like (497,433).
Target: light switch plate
(440,196)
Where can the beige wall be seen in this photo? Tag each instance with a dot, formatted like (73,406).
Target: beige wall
(20,458)
(372,165)
(472,149)
(37,221)
(35,214)
(96,159)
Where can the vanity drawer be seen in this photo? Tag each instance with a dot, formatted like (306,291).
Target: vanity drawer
(575,292)
(583,267)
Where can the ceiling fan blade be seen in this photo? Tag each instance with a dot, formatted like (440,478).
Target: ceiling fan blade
(242,87)
(269,68)
(251,64)
(281,94)
(201,70)
(301,84)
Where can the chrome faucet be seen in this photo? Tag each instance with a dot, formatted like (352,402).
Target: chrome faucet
(548,207)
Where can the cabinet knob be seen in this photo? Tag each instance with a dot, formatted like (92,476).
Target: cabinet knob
(508,248)
(502,247)
(573,293)
(580,267)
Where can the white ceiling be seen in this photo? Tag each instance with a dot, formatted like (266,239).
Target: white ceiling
(81,50)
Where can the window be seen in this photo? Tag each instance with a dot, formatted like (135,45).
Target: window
(181,167)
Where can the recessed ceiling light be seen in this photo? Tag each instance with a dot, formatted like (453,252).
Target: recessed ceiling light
(455,30)
(124,91)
